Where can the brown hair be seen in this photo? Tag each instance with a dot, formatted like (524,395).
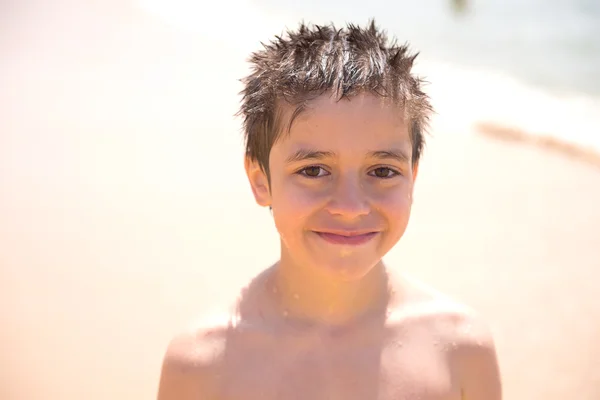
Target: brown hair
(314,60)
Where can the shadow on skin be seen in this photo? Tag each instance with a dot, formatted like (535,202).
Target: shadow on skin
(267,355)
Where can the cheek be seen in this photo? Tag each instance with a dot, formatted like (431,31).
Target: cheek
(295,198)
(396,206)
(292,206)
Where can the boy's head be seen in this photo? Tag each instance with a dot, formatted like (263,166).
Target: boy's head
(334,124)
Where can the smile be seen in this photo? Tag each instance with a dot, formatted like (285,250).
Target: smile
(347,238)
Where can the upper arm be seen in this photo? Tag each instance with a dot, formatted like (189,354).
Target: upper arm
(186,373)
(476,363)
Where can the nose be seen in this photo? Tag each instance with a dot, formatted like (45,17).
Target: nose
(348,199)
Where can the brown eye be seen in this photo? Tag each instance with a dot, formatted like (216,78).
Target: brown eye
(384,172)
(312,172)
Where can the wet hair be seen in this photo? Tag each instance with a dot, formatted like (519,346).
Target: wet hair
(314,60)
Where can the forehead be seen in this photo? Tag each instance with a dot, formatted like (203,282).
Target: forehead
(363,121)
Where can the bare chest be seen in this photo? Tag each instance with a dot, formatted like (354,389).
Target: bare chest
(344,369)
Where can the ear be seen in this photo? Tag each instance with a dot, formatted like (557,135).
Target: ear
(258,182)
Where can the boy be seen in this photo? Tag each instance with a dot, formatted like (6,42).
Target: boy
(334,125)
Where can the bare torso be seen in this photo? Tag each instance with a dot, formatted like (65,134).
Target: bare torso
(401,361)
(408,353)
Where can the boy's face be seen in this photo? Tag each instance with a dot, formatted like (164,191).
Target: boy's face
(341,184)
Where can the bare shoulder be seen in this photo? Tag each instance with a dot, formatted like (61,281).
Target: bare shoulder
(451,319)
(462,332)
(199,359)
(191,364)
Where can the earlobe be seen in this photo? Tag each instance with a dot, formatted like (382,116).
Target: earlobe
(258,182)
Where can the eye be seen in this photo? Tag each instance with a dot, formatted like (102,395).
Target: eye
(384,172)
(313,171)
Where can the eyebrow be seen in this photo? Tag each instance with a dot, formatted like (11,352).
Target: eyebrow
(308,154)
(393,154)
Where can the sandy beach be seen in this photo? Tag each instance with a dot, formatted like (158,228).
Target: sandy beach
(125,214)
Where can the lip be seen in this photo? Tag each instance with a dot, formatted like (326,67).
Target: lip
(347,238)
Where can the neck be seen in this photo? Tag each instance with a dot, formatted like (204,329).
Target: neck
(309,295)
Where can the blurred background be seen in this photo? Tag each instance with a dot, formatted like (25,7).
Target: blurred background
(125,214)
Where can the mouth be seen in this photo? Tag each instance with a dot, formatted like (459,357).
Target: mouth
(347,238)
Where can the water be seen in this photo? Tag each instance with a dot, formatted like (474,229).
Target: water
(553,43)
(529,64)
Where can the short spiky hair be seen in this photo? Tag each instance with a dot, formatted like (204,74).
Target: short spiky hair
(315,60)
